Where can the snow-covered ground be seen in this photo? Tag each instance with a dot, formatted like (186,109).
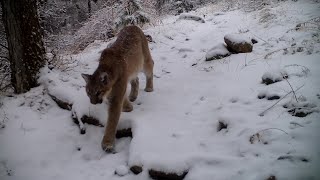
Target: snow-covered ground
(177,128)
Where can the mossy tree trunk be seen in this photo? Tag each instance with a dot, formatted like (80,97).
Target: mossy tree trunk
(26,49)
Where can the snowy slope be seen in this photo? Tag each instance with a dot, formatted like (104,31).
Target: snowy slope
(176,127)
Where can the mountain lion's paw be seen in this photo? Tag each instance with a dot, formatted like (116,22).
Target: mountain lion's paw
(127,108)
(107,146)
(148,89)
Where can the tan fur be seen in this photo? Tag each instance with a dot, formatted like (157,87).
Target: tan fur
(119,64)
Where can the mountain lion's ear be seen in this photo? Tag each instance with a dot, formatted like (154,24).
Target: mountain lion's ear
(104,77)
(86,77)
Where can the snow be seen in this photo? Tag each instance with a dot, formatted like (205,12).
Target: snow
(122,170)
(175,128)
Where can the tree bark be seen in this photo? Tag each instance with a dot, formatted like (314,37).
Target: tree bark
(26,49)
(89,8)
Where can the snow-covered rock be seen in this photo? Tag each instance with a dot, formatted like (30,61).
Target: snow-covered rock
(273,76)
(217,52)
(238,43)
(122,170)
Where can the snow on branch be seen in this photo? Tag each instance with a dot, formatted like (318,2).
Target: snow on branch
(191,17)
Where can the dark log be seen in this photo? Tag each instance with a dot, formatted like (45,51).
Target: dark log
(62,104)
(124,133)
(159,175)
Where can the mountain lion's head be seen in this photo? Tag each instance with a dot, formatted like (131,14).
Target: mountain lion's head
(97,86)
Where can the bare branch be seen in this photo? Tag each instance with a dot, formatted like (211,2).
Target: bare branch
(4,88)
(3,80)
(297,124)
(294,93)
(270,53)
(273,129)
(262,114)
(259,38)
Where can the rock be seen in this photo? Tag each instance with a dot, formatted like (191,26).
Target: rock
(222,125)
(261,95)
(299,112)
(268,96)
(238,44)
(159,175)
(254,41)
(82,130)
(136,169)
(273,97)
(300,49)
(268,81)
(217,52)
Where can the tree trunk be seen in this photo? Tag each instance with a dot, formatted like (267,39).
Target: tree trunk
(26,49)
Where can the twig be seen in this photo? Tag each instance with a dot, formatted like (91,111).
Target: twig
(273,129)
(258,135)
(294,123)
(270,53)
(4,86)
(262,114)
(297,65)
(259,38)
(246,66)
(305,70)
(295,96)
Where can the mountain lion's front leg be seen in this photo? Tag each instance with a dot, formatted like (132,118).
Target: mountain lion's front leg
(127,106)
(115,108)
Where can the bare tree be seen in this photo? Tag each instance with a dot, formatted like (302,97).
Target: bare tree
(26,49)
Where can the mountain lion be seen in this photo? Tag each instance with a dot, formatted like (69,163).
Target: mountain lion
(119,64)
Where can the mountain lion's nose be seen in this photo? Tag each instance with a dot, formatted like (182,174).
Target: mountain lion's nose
(98,101)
